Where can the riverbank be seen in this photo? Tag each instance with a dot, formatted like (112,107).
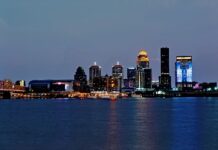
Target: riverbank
(106,95)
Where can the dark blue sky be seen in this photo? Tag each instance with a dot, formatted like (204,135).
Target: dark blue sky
(48,39)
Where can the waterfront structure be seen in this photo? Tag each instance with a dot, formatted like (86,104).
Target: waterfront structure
(6,84)
(44,86)
(99,84)
(211,86)
(106,83)
(165,78)
(117,73)
(113,83)
(94,72)
(20,83)
(183,72)
(80,81)
(156,85)
(143,72)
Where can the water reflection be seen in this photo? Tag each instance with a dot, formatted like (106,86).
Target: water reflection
(153,125)
(150,124)
(185,126)
(208,123)
(143,125)
(113,129)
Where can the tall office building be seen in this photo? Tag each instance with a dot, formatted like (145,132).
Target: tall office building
(143,72)
(142,59)
(131,78)
(183,74)
(131,73)
(117,72)
(165,78)
(94,72)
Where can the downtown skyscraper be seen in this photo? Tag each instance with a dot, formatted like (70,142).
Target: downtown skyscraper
(143,72)
(117,74)
(165,78)
(183,73)
(94,72)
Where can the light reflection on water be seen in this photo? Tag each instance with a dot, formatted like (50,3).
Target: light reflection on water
(113,129)
(151,124)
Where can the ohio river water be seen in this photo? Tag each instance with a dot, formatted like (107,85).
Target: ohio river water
(149,124)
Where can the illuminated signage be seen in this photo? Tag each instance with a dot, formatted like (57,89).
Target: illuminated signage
(184,58)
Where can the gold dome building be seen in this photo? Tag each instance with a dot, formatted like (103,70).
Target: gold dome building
(143,59)
(143,72)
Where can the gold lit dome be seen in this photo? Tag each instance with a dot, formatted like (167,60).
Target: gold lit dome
(142,52)
(142,56)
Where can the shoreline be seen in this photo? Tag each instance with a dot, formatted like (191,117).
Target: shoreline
(105,95)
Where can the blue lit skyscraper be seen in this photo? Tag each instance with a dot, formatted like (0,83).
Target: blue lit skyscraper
(183,76)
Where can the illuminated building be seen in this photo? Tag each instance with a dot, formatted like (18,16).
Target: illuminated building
(117,70)
(208,86)
(131,77)
(6,84)
(43,86)
(20,83)
(148,78)
(165,78)
(113,83)
(183,74)
(80,81)
(62,85)
(131,73)
(105,83)
(143,72)
(94,72)
(99,84)
(117,73)
(142,59)
(155,85)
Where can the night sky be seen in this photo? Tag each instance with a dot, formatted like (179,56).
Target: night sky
(49,39)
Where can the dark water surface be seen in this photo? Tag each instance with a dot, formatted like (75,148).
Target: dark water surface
(150,124)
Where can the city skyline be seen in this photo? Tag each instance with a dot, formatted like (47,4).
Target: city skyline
(108,74)
(49,39)
(95,63)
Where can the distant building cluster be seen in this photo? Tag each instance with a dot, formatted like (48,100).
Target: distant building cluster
(137,80)
(8,85)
